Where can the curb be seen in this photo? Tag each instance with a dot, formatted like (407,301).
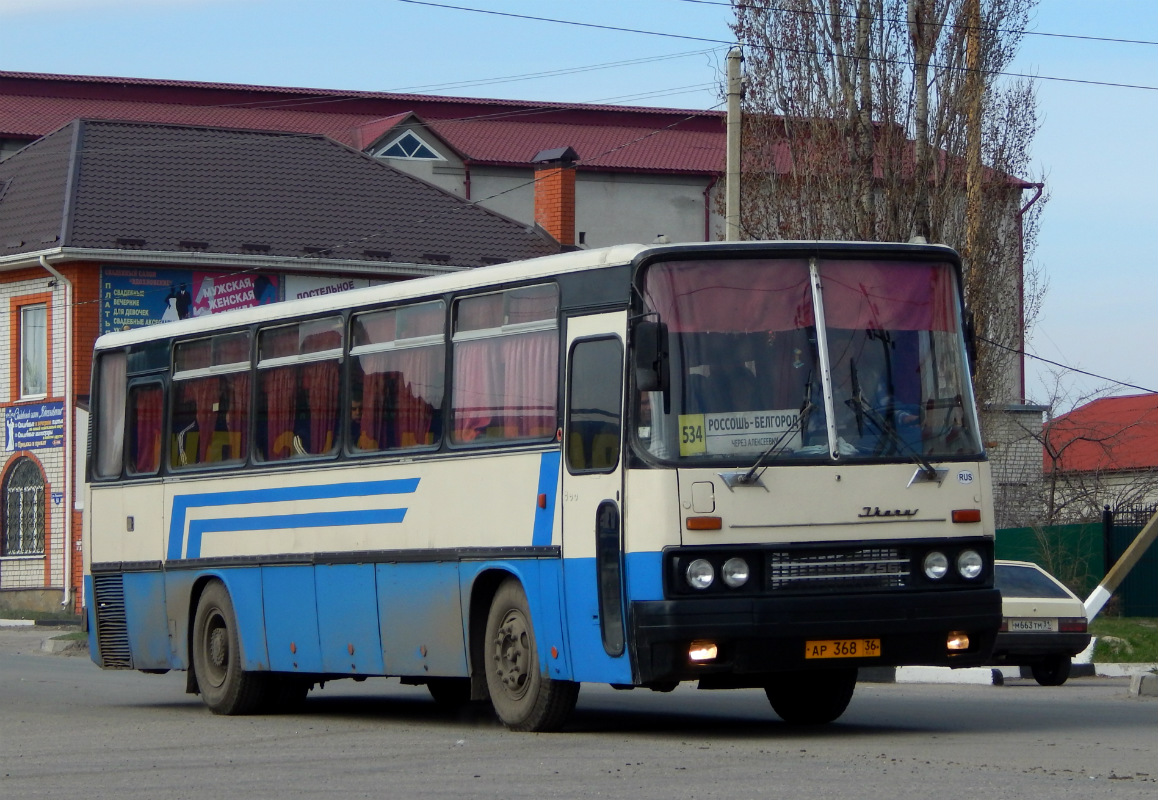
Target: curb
(1144,685)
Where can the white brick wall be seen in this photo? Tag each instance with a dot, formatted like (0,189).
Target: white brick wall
(22,572)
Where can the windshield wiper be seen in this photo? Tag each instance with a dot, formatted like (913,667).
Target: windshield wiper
(861,408)
(750,476)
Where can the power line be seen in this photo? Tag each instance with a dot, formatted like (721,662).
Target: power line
(1066,367)
(762,46)
(1020,31)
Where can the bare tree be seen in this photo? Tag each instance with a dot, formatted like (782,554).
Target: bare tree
(858,120)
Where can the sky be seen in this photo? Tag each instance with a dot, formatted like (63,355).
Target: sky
(1097,149)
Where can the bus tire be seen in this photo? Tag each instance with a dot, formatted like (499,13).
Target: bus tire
(523,697)
(224,686)
(815,697)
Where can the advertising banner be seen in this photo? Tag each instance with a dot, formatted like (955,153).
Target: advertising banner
(34,427)
(134,298)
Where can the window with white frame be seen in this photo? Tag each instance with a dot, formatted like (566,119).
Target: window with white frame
(23,510)
(34,351)
(408,145)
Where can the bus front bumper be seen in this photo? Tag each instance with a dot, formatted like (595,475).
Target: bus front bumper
(759,636)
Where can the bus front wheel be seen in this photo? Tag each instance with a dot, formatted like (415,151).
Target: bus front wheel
(224,686)
(523,697)
(815,697)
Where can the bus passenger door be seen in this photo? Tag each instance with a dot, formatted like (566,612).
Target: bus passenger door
(592,498)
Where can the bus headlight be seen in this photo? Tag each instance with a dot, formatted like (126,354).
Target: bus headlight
(736,572)
(936,565)
(700,574)
(970,564)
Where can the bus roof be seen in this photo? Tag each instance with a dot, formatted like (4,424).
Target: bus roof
(498,274)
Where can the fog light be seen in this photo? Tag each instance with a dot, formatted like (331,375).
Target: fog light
(703,651)
(735,572)
(700,574)
(970,564)
(957,641)
(936,565)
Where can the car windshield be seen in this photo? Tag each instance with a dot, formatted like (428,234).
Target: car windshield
(1015,580)
(747,348)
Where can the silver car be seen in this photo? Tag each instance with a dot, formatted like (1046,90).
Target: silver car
(1043,623)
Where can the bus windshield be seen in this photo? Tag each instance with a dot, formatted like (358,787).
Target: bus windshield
(809,360)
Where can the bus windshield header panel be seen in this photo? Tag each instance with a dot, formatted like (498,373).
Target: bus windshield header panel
(807,360)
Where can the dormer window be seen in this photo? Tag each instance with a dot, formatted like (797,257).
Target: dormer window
(408,145)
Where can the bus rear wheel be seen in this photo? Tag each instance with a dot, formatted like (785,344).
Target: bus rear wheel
(224,686)
(815,697)
(523,697)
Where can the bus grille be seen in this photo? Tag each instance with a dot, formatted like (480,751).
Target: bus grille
(838,570)
(112,628)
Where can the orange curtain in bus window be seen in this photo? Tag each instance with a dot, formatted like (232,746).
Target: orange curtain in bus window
(147,429)
(419,395)
(367,421)
(205,394)
(531,362)
(320,381)
(237,416)
(280,386)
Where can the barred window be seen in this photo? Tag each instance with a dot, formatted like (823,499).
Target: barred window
(24,510)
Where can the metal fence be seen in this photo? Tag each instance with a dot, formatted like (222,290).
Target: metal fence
(1080,555)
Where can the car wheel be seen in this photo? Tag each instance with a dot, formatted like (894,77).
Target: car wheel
(1053,671)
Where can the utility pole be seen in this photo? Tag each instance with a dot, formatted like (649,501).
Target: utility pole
(973,174)
(732,178)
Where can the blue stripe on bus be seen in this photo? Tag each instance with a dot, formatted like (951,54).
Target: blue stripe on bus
(182,503)
(548,485)
(320,519)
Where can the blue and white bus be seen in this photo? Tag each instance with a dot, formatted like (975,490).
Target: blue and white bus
(741,464)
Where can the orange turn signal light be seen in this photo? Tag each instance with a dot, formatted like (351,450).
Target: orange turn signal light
(966,515)
(703,523)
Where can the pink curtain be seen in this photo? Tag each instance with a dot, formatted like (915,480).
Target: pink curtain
(741,296)
(531,365)
(476,388)
(867,295)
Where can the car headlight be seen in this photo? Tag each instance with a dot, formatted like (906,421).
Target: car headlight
(936,565)
(736,572)
(700,574)
(970,564)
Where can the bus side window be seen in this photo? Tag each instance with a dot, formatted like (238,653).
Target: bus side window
(594,402)
(146,405)
(110,423)
(210,396)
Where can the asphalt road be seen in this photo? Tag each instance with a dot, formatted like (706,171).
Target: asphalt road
(68,729)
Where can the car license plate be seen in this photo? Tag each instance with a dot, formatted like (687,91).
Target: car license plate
(1036,625)
(842,648)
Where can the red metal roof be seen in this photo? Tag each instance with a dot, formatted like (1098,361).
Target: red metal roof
(482,130)
(1110,434)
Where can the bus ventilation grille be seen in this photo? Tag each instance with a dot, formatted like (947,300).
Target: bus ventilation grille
(827,571)
(112,629)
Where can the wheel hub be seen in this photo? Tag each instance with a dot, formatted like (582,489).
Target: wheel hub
(512,651)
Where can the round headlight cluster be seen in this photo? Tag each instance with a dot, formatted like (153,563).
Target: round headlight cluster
(970,565)
(736,572)
(700,574)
